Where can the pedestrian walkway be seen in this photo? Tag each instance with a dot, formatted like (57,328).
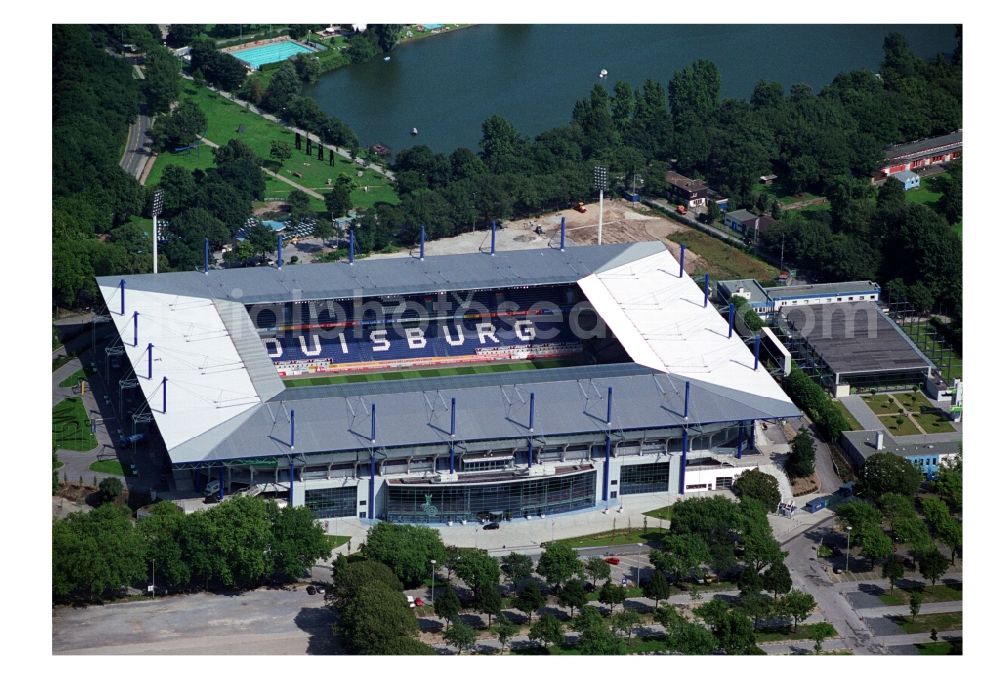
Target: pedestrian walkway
(311,193)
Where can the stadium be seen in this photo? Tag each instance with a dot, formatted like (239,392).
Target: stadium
(441,389)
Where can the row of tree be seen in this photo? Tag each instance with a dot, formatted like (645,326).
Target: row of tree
(242,543)
(813,399)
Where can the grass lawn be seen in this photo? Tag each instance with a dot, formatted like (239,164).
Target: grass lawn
(881,404)
(108,467)
(934,594)
(337,540)
(924,623)
(622,536)
(851,420)
(57,464)
(897,428)
(60,360)
(224,120)
(660,513)
(912,402)
(925,194)
(71,426)
(933,420)
(721,260)
(429,373)
(72,380)
(800,633)
(940,647)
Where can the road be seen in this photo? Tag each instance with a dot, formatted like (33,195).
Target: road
(139,146)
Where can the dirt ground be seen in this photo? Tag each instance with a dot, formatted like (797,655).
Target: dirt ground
(623,222)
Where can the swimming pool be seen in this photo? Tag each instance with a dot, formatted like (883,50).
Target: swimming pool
(270,53)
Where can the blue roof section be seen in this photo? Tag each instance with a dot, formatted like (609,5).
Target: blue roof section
(392,276)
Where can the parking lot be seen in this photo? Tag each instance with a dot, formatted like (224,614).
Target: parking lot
(261,622)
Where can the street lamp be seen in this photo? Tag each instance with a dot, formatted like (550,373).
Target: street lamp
(847,564)
(601,183)
(157,209)
(433,563)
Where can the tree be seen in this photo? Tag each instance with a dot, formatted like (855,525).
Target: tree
(887,473)
(683,553)
(777,579)
(893,570)
(916,600)
(597,639)
(406,645)
(280,152)
(406,549)
(547,630)
(735,634)
(819,632)
(338,200)
(504,631)
(516,567)
(488,601)
(658,588)
(803,458)
(949,483)
(162,84)
(306,67)
(386,35)
(558,563)
(180,127)
(597,569)
(714,212)
(529,599)
(460,636)
(284,86)
(447,605)
(933,564)
(612,594)
(161,530)
(758,486)
(799,605)
(688,638)
(110,489)
(625,621)
(298,203)
(950,532)
(298,541)
(500,145)
(477,569)
(323,229)
(572,595)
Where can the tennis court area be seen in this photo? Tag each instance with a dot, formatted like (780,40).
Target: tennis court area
(270,53)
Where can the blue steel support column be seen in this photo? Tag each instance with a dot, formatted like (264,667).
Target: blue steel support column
(291,480)
(164,394)
(149,351)
(562,234)
(684,458)
(206,255)
(493,238)
(281,260)
(371,471)
(753,435)
(681,272)
(350,252)
(739,441)
(732,314)
(135,328)
(531,428)
(705,304)
(121,292)
(756,352)
(293,429)
(222,483)
(451,447)
(687,397)
(423,235)
(607,449)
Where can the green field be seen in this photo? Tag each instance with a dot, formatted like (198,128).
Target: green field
(851,420)
(929,195)
(73,379)
(881,404)
(337,540)
(897,428)
(800,633)
(924,623)
(622,536)
(224,120)
(71,426)
(940,647)
(721,260)
(431,373)
(934,594)
(660,513)
(108,467)
(934,420)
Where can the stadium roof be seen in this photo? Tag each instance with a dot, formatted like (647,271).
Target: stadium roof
(390,276)
(856,338)
(225,401)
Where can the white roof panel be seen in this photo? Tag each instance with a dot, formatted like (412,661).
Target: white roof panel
(207,382)
(661,321)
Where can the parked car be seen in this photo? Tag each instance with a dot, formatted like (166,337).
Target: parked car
(579,207)
(418,601)
(613,560)
(492,526)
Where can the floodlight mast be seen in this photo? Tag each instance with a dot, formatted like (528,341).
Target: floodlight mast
(157,209)
(601,183)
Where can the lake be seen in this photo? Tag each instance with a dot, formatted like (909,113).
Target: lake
(446,85)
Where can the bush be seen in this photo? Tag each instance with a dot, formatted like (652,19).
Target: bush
(110,489)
